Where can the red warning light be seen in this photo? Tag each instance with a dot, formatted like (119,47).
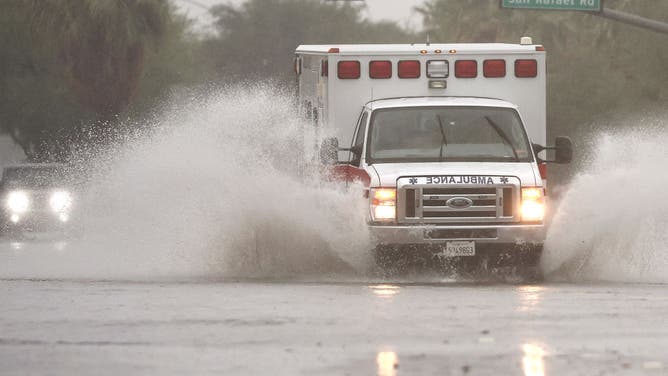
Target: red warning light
(494,68)
(409,69)
(526,68)
(466,69)
(380,69)
(349,69)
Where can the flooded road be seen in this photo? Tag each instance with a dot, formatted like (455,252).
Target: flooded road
(254,266)
(356,328)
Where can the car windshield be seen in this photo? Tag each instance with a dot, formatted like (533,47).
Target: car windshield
(432,134)
(34,176)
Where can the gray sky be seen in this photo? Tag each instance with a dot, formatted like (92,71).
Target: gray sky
(395,10)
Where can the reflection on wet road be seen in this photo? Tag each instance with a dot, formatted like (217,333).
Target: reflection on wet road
(384,290)
(383,328)
(532,362)
(387,363)
(530,297)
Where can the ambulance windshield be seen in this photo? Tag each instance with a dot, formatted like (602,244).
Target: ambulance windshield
(449,134)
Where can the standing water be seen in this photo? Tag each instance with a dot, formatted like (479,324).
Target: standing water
(222,186)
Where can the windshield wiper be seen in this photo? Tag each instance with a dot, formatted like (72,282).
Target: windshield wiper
(503,136)
(444,140)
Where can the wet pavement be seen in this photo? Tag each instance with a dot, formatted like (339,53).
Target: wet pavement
(344,328)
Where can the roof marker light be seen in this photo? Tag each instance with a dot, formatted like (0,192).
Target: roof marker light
(423,52)
(438,51)
(334,50)
(452,51)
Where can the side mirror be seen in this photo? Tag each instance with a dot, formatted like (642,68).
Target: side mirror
(537,148)
(563,150)
(329,151)
(356,154)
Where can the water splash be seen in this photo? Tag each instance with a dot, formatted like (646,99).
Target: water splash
(612,223)
(221,187)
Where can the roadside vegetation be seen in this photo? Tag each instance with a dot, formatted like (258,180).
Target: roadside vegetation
(74,72)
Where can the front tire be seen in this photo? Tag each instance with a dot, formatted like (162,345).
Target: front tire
(523,263)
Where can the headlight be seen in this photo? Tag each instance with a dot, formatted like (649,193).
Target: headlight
(60,201)
(383,204)
(533,204)
(18,202)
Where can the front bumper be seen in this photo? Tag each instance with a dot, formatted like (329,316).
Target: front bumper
(37,221)
(438,234)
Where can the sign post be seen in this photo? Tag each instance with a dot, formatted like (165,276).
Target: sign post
(594,7)
(579,5)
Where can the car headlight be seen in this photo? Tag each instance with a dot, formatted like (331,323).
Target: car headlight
(533,204)
(18,202)
(383,204)
(60,201)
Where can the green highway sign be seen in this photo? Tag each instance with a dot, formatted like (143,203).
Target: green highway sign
(583,5)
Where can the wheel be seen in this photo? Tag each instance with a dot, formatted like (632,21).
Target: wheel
(526,264)
(515,264)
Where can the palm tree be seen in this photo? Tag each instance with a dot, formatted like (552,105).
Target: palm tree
(100,45)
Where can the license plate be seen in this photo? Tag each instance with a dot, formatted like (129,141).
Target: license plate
(460,248)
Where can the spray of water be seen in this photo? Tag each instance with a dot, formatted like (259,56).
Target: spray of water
(223,186)
(612,223)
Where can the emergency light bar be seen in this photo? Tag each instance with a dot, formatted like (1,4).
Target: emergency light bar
(382,69)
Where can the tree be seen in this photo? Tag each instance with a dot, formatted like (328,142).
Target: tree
(33,100)
(258,39)
(69,69)
(178,63)
(101,46)
(595,66)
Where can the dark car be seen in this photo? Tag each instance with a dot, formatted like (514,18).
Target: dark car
(37,198)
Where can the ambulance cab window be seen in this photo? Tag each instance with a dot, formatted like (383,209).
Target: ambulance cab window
(361,130)
(356,158)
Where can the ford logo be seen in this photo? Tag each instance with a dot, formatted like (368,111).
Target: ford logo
(459,202)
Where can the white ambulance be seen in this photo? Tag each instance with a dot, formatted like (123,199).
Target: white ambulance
(446,136)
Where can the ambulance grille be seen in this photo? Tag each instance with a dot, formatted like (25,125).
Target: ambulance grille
(430,204)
